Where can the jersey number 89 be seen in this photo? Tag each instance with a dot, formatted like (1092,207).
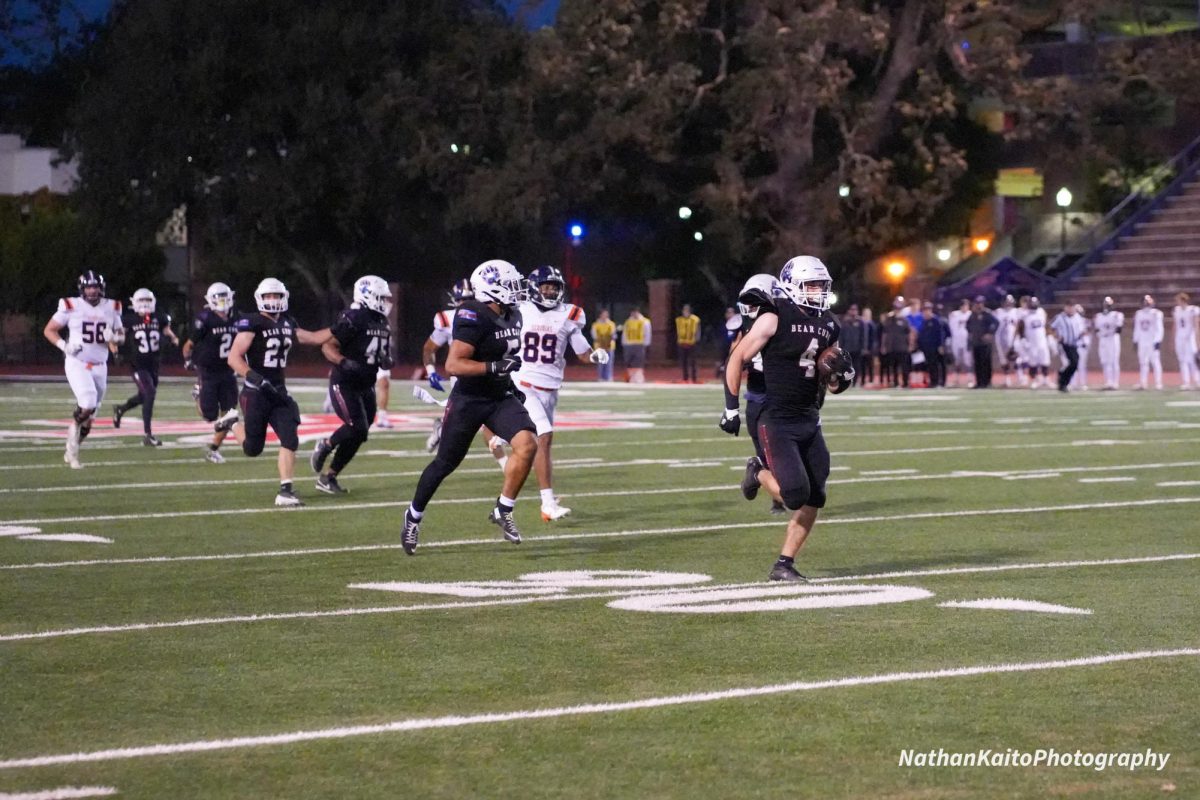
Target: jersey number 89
(534,342)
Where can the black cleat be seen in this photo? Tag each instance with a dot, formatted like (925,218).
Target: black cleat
(777,507)
(225,423)
(409,534)
(750,482)
(783,572)
(118,412)
(505,520)
(320,452)
(329,485)
(150,440)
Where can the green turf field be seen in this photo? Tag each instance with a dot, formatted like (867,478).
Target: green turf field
(217,647)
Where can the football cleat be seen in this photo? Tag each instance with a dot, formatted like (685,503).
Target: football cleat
(435,436)
(72,461)
(783,572)
(118,412)
(321,451)
(150,440)
(505,520)
(551,513)
(73,438)
(410,533)
(750,482)
(385,423)
(214,456)
(329,485)
(225,423)
(287,498)
(777,507)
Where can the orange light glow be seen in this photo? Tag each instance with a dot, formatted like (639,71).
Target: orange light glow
(896,269)
(982,244)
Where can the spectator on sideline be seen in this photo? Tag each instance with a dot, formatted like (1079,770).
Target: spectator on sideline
(635,339)
(604,337)
(854,340)
(931,341)
(981,333)
(896,345)
(871,351)
(687,336)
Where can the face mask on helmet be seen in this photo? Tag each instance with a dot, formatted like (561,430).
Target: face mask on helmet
(806,282)
(499,282)
(271,296)
(460,292)
(219,297)
(91,287)
(143,301)
(547,287)
(759,292)
(371,291)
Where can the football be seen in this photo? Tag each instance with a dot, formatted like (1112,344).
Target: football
(825,362)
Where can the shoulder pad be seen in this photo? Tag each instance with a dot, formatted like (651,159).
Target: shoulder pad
(65,304)
(117,306)
(575,314)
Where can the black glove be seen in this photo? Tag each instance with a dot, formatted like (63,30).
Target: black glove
(841,364)
(386,362)
(358,369)
(256,381)
(504,366)
(731,421)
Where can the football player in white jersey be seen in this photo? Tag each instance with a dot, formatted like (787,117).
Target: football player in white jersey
(1186,316)
(92,322)
(1108,324)
(1007,317)
(1084,346)
(960,348)
(1148,335)
(547,325)
(1037,345)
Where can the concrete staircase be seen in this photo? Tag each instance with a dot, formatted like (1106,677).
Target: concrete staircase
(1160,257)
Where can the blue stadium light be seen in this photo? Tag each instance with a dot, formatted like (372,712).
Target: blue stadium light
(576,230)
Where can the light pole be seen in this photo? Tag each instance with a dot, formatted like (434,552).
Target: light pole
(1063,198)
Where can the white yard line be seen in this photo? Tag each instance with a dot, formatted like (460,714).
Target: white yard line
(511,601)
(587,709)
(1113,479)
(62,793)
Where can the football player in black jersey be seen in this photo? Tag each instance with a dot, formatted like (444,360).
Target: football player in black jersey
(259,355)
(483,354)
(758,296)
(359,346)
(144,329)
(791,342)
(216,389)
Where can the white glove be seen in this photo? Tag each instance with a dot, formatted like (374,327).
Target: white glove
(70,348)
(113,335)
(599,357)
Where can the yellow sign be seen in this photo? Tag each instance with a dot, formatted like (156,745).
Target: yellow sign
(1021,182)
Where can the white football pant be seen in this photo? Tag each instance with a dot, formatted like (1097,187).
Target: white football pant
(88,381)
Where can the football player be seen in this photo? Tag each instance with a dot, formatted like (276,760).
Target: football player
(1108,324)
(791,342)
(259,356)
(1037,344)
(484,353)
(548,323)
(1186,318)
(1008,317)
(216,390)
(145,328)
(1148,335)
(92,322)
(1084,346)
(440,337)
(960,347)
(359,347)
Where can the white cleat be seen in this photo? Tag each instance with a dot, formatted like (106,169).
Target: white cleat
(551,513)
(435,436)
(214,456)
(72,461)
(71,455)
(384,422)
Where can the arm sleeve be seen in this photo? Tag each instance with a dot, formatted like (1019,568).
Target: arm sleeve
(343,328)
(579,342)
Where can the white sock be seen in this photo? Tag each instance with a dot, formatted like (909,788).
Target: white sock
(503,462)
(508,502)
(412,512)
(548,498)
(382,415)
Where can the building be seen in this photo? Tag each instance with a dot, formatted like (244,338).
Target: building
(25,170)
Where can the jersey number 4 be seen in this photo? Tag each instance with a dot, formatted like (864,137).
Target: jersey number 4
(546,344)
(376,350)
(808,360)
(276,352)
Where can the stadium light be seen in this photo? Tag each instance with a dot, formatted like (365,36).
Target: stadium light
(896,269)
(982,244)
(453,148)
(698,236)
(843,191)
(1063,198)
(685,212)
(576,230)
(944,254)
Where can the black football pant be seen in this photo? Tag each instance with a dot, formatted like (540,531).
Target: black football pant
(982,354)
(1068,370)
(754,409)
(218,394)
(464,415)
(146,380)
(356,409)
(274,408)
(798,458)
(935,366)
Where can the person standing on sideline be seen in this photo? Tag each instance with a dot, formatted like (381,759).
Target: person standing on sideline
(604,337)
(145,328)
(1037,344)
(687,336)
(484,353)
(959,349)
(1186,316)
(931,341)
(871,351)
(259,356)
(92,322)
(1068,328)
(896,342)
(1148,335)
(981,333)
(791,342)
(1007,319)
(1108,324)
(1080,381)
(635,340)
(216,389)
(854,340)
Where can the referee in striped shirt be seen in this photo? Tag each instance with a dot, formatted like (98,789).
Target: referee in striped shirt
(1068,327)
